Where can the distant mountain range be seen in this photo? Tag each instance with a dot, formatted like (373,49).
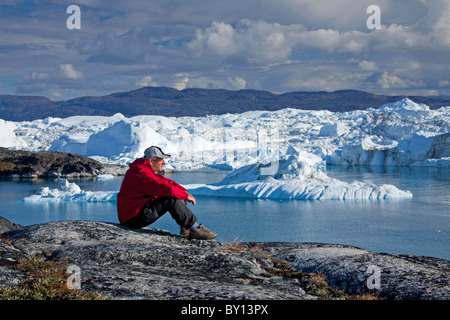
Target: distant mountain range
(196,102)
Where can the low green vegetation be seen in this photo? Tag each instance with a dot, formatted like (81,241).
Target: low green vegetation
(45,280)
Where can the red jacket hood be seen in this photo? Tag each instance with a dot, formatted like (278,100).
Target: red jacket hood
(140,163)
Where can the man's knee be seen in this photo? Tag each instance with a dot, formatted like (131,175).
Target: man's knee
(174,203)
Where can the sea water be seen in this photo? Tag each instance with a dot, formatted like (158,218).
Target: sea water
(419,226)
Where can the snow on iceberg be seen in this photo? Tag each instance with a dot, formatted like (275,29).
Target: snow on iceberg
(397,134)
(400,133)
(72,143)
(335,129)
(406,108)
(298,175)
(122,138)
(67,191)
(8,137)
(421,148)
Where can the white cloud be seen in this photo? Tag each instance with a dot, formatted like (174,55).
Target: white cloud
(146,82)
(353,45)
(270,44)
(36,76)
(323,39)
(257,42)
(438,20)
(69,72)
(318,78)
(388,81)
(181,81)
(217,39)
(264,43)
(55,93)
(237,83)
(367,65)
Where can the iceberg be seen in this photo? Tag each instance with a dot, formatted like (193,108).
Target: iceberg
(406,108)
(335,129)
(105,176)
(298,175)
(396,134)
(68,191)
(422,148)
(72,143)
(8,137)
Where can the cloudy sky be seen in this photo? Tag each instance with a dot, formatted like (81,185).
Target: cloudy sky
(275,45)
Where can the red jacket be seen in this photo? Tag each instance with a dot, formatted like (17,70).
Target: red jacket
(141,185)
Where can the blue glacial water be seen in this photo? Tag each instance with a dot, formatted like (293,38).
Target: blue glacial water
(419,226)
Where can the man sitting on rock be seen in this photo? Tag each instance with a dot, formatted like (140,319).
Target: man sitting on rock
(145,196)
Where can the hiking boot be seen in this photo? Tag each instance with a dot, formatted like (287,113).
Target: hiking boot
(202,233)
(184,232)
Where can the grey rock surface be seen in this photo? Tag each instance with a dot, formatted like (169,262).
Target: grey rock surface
(152,264)
(9,255)
(6,225)
(355,270)
(149,263)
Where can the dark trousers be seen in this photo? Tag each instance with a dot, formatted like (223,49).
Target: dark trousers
(155,209)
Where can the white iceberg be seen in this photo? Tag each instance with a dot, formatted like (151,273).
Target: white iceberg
(68,191)
(105,176)
(406,108)
(72,143)
(122,139)
(298,175)
(8,137)
(335,129)
(400,133)
(422,147)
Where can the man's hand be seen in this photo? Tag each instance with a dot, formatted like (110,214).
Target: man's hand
(190,199)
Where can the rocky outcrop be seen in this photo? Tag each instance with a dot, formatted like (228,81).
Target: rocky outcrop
(28,164)
(148,263)
(9,255)
(357,271)
(6,225)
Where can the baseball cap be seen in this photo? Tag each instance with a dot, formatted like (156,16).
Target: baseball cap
(155,152)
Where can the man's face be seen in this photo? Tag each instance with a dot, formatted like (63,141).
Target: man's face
(157,164)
